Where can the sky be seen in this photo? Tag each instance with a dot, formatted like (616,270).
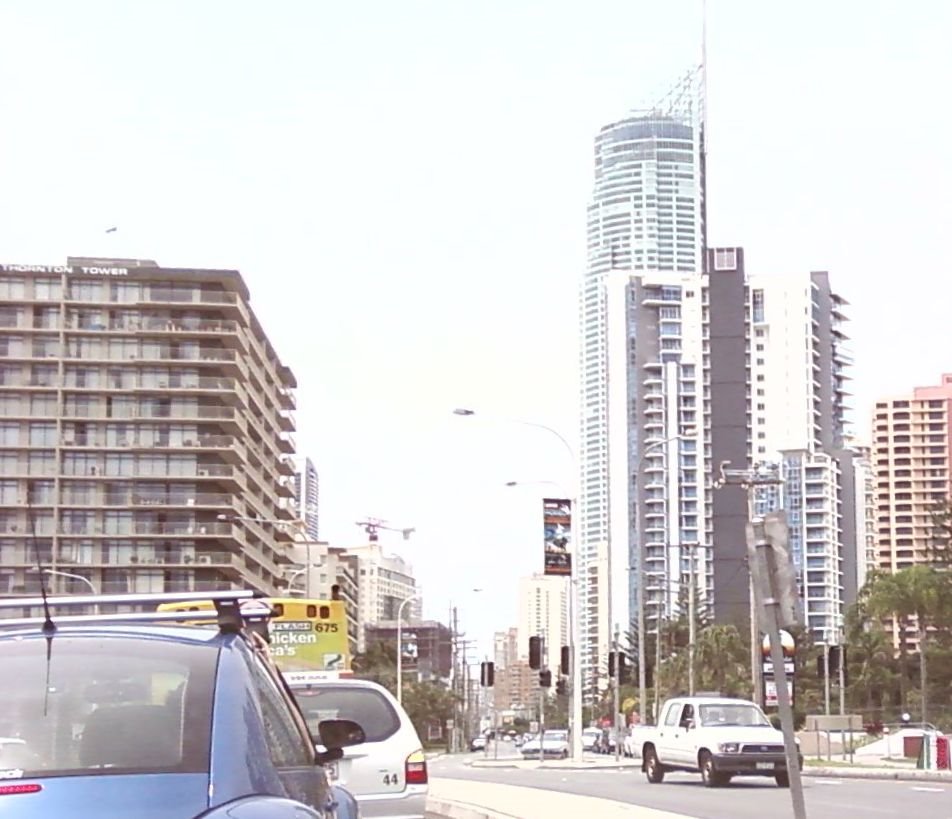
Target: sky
(403,187)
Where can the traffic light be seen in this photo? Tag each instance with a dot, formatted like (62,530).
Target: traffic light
(565,666)
(545,678)
(561,688)
(487,673)
(535,653)
(616,664)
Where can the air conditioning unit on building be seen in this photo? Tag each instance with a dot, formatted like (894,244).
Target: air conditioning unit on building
(203,559)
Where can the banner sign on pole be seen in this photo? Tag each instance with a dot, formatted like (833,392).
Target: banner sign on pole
(557,524)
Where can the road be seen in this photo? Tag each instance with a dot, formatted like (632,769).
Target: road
(750,798)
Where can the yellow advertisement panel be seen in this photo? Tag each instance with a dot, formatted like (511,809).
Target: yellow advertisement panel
(309,645)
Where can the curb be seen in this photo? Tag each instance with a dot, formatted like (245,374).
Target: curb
(445,809)
(879,773)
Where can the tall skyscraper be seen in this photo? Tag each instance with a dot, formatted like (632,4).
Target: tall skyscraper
(646,218)
(912,442)
(306,495)
(146,423)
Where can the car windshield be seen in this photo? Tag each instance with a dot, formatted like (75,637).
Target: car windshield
(748,715)
(370,709)
(555,736)
(105,705)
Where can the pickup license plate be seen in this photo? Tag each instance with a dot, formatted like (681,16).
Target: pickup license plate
(765,766)
(332,770)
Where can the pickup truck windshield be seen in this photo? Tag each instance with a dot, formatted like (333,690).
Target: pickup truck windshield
(110,705)
(728,714)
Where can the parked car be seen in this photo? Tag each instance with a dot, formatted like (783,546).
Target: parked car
(387,773)
(477,743)
(590,737)
(104,719)
(719,737)
(554,744)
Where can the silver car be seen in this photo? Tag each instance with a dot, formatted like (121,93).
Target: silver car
(387,773)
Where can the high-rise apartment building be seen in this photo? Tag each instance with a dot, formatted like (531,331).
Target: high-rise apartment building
(145,422)
(506,647)
(543,611)
(720,367)
(912,446)
(646,218)
(384,582)
(306,495)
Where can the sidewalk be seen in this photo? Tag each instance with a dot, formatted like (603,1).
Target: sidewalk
(897,770)
(469,799)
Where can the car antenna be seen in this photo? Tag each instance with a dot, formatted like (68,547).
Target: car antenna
(49,627)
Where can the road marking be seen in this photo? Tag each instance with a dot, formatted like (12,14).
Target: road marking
(829,781)
(926,789)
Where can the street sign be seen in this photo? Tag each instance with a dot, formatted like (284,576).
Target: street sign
(770,692)
(787,667)
(450,724)
(534,727)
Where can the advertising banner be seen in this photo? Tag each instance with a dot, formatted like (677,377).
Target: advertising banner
(557,525)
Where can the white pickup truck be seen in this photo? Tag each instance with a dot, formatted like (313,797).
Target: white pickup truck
(718,736)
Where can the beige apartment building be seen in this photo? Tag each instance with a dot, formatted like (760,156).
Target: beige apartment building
(911,453)
(145,424)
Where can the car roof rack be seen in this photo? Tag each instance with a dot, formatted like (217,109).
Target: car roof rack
(228,609)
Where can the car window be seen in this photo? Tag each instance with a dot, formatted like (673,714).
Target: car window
(733,714)
(111,705)
(370,709)
(671,717)
(286,743)
(687,715)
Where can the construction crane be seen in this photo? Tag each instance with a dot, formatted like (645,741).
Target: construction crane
(372,525)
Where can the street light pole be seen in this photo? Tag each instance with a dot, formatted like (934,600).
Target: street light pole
(575,609)
(86,580)
(400,645)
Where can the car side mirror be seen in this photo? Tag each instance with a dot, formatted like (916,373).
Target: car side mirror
(340,733)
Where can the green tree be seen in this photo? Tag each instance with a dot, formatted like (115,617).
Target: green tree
(428,703)
(922,594)
(378,662)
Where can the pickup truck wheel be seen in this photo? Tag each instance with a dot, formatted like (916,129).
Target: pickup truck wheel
(709,776)
(654,770)
(782,778)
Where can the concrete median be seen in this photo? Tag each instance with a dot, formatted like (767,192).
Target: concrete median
(469,799)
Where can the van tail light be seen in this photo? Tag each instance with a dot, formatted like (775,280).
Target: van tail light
(416,769)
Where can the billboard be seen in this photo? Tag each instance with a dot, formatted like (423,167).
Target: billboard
(557,526)
(309,645)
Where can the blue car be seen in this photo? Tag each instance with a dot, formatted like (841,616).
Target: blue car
(123,715)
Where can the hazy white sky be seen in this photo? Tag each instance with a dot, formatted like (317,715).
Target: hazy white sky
(403,186)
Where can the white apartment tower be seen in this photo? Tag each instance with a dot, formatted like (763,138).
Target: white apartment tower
(543,610)
(646,224)
(384,582)
(306,495)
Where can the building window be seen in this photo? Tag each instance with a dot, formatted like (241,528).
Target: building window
(725,258)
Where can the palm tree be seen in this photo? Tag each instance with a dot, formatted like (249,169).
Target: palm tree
(884,596)
(721,659)
(921,592)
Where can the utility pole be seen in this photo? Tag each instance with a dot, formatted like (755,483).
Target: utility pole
(842,670)
(775,597)
(692,620)
(454,677)
(616,697)
(826,676)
